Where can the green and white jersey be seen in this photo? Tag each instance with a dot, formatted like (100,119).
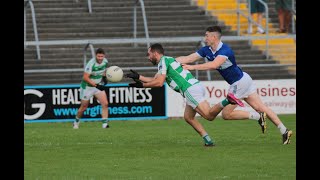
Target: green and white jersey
(177,78)
(95,70)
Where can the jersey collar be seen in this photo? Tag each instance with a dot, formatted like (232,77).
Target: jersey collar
(219,46)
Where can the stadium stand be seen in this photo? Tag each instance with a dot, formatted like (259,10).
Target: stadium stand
(70,20)
(281,50)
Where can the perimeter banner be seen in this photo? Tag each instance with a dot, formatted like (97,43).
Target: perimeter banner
(279,95)
(61,103)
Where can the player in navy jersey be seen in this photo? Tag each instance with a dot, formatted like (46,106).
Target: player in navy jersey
(221,58)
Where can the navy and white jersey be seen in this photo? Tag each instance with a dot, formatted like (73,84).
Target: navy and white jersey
(229,70)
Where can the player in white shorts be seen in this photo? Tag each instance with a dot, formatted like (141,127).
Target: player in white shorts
(93,75)
(183,82)
(221,58)
(243,87)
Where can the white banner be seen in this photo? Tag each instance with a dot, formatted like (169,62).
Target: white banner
(279,95)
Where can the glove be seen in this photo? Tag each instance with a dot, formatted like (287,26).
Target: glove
(104,80)
(137,84)
(133,75)
(100,87)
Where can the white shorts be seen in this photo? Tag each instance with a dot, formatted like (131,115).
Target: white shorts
(86,94)
(243,88)
(195,95)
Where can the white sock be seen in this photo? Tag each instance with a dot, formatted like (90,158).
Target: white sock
(282,128)
(254,115)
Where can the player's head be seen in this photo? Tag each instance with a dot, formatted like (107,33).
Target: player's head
(100,54)
(213,34)
(155,52)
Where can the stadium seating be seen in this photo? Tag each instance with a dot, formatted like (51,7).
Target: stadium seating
(281,50)
(70,20)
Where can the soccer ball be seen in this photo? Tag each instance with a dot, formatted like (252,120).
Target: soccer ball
(114,74)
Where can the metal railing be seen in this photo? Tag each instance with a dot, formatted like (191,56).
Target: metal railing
(89,5)
(293,18)
(34,23)
(85,54)
(196,39)
(150,40)
(202,44)
(147,68)
(29,2)
(144,21)
(250,20)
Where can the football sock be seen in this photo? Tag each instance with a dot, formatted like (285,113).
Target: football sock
(105,120)
(254,115)
(77,119)
(282,128)
(207,139)
(224,103)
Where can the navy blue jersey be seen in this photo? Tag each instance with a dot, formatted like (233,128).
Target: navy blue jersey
(229,70)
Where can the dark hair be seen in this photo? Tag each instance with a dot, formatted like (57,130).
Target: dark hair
(215,29)
(100,51)
(157,47)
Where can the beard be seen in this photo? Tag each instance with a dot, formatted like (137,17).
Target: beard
(153,61)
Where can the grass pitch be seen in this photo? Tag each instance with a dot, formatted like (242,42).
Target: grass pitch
(158,149)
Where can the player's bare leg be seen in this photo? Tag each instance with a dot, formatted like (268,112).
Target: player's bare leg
(206,111)
(229,113)
(189,116)
(215,110)
(255,102)
(102,97)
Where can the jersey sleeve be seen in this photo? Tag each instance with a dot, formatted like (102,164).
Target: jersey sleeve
(163,67)
(225,53)
(228,54)
(88,68)
(201,52)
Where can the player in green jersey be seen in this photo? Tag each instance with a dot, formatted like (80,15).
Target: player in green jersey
(183,82)
(93,75)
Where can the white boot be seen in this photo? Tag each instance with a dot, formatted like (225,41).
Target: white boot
(105,125)
(76,125)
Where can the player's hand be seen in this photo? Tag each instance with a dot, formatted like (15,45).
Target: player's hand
(133,74)
(100,87)
(137,84)
(187,67)
(104,80)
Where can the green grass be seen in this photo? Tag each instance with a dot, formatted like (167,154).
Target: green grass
(158,149)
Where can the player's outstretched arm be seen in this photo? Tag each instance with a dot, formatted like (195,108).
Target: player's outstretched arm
(145,79)
(136,76)
(215,64)
(188,59)
(155,82)
(158,81)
